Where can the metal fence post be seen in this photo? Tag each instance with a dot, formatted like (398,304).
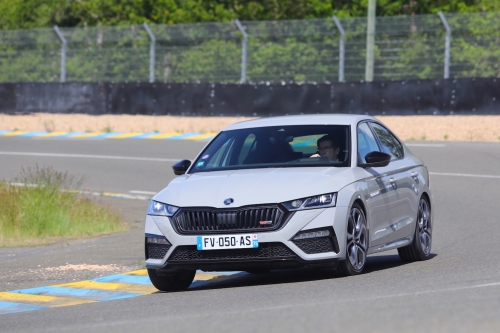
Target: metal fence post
(63,53)
(243,51)
(152,47)
(341,48)
(370,40)
(446,46)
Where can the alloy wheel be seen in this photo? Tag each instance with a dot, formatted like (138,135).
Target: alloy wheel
(424,226)
(356,239)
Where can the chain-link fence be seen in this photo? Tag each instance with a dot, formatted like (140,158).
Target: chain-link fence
(313,50)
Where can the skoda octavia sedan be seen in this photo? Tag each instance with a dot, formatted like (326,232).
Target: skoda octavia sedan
(287,192)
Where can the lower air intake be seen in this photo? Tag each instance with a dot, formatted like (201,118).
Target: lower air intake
(315,245)
(264,251)
(157,251)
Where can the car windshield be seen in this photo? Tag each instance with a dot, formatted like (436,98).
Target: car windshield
(277,147)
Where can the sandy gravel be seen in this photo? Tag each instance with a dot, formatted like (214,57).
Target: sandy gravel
(408,128)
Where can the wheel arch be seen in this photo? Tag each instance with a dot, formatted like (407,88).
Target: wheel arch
(428,197)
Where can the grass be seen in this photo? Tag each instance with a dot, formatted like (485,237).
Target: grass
(48,208)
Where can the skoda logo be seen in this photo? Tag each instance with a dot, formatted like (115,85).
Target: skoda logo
(228,201)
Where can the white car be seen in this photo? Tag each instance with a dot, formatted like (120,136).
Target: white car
(286,192)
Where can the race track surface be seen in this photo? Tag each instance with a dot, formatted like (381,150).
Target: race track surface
(458,290)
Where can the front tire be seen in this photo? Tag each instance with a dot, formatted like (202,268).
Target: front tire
(420,247)
(357,243)
(176,282)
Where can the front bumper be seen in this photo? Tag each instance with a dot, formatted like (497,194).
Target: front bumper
(276,248)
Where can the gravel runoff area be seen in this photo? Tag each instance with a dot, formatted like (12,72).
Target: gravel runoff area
(408,128)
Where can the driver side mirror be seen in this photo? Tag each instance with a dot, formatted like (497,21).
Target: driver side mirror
(181,167)
(376,159)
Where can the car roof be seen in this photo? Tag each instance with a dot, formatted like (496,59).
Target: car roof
(316,119)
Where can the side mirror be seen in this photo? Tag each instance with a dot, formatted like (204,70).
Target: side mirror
(375,159)
(181,167)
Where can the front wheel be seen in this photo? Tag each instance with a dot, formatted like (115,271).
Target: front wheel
(357,243)
(420,247)
(176,282)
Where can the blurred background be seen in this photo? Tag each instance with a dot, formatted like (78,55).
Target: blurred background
(260,43)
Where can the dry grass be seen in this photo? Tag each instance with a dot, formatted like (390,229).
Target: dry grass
(408,128)
(47,208)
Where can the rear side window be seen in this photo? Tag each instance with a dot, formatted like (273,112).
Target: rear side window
(366,142)
(390,144)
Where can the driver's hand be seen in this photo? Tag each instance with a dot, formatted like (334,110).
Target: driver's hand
(315,155)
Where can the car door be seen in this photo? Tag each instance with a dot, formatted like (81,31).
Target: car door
(382,195)
(403,209)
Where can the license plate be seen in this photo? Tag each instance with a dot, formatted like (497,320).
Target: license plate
(246,241)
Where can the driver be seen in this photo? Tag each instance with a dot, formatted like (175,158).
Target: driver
(327,147)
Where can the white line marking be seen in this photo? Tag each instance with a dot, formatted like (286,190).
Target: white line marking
(425,145)
(463,175)
(92,156)
(142,192)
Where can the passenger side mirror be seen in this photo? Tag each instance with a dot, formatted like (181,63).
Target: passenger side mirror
(375,159)
(181,167)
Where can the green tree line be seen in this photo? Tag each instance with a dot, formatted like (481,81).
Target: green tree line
(28,14)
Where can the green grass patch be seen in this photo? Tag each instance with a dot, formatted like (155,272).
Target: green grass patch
(45,207)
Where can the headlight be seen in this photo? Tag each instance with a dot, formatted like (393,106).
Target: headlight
(161,209)
(318,201)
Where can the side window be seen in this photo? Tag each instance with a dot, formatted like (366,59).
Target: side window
(366,142)
(306,144)
(390,144)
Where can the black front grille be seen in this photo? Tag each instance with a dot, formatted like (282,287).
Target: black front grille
(315,245)
(264,251)
(157,251)
(195,220)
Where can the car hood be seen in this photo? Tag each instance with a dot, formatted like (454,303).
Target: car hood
(253,186)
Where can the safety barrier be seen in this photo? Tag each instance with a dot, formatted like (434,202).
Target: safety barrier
(443,96)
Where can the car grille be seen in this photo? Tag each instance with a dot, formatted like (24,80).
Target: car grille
(315,245)
(157,251)
(264,251)
(207,220)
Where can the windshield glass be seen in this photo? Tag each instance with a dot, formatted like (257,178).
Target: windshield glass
(277,147)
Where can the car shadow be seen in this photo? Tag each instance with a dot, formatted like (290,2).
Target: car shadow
(306,274)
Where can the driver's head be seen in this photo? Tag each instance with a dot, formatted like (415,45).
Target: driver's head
(328,147)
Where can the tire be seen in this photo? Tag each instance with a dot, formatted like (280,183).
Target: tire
(176,282)
(420,248)
(356,243)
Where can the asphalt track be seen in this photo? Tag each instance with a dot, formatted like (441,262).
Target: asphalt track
(458,290)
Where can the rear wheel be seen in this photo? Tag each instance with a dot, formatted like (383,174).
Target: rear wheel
(176,282)
(420,247)
(357,243)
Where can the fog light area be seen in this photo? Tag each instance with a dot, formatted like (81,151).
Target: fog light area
(312,234)
(155,240)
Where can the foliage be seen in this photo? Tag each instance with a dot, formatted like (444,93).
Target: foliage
(407,47)
(47,207)
(23,14)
